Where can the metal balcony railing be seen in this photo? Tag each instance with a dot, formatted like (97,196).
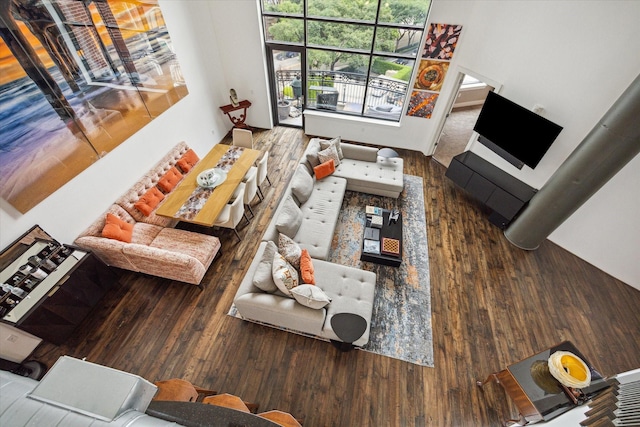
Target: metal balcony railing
(351,89)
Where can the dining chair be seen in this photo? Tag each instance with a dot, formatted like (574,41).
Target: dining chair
(281,418)
(242,138)
(262,173)
(228,401)
(177,389)
(250,181)
(233,212)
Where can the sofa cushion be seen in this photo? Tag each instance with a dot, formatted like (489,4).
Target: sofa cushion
(195,245)
(290,250)
(169,180)
(324,144)
(115,228)
(311,153)
(385,177)
(144,233)
(187,161)
(306,268)
(351,291)
(325,169)
(310,296)
(301,184)
(149,200)
(328,154)
(128,200)
(263,276)
(290,217)
(320,215)
(285,275)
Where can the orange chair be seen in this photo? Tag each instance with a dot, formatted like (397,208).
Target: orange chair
(231,401)
(180,390)
(283,419)
(228,401)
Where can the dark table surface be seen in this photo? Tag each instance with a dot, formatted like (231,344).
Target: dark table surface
(194,414)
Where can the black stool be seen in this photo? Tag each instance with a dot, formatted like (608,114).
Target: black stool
(348,327)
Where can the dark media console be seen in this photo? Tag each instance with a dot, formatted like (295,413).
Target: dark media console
(501,192)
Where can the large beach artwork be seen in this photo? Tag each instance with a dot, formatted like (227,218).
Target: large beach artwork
(77,78)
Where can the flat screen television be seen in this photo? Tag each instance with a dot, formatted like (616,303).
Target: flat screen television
(517,134)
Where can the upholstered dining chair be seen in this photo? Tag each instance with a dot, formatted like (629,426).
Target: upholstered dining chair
(242,138)
(250,181)
(233,212)
(262,173)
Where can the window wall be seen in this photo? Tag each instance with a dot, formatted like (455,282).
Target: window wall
(359,54)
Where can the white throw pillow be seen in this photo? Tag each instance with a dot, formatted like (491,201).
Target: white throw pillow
(312,153)
(310,296)
(263,277)
(335,142)
(290,250)
(329,153)
(289,218)
(284,275)
(302,184)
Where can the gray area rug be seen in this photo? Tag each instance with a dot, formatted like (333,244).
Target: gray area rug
(401,321)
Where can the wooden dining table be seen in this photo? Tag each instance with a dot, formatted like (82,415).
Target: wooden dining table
(210,202)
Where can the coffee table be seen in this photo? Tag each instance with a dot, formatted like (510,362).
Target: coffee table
(389,230)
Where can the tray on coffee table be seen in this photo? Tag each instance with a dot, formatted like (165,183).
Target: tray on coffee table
(389,242)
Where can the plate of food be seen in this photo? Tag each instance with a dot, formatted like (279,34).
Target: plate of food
(211,178)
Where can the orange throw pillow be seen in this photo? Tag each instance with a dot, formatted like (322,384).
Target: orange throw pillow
(170,180)
(149,200)
(306,268)
(115,228)
(187,161)
(324,169)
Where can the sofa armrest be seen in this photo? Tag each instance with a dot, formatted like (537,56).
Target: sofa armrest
(280,311)
(110,251)
(359,152)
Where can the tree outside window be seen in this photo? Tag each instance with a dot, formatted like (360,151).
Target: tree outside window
(363,49)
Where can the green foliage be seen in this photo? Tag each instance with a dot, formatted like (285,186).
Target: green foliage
(364,10)
(345,35)
(287,30)
(404,74)
(287,91)
(381,66)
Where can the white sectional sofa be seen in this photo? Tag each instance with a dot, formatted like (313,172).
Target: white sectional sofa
(308,213)
(351,290)
(363,169)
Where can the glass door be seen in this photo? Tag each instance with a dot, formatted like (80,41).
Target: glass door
(287,85)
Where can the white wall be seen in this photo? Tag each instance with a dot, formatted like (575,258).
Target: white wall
(68,211)
(605,231)
(239,37)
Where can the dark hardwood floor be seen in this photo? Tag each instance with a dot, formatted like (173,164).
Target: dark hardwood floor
(493,304)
